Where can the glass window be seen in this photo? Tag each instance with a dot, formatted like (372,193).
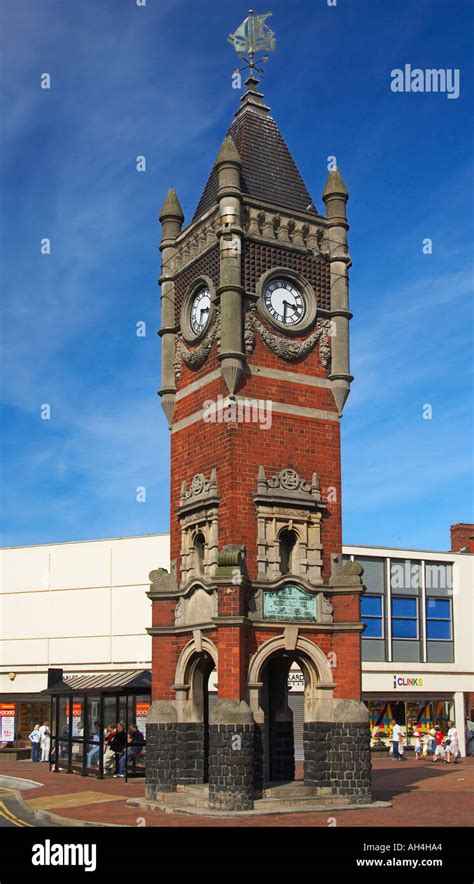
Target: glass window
(438,619)
(372,616)
(404,618)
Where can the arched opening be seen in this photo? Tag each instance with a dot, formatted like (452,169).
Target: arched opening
(288,540)
(197,711)
(287,681)
(199,547)
(282,702)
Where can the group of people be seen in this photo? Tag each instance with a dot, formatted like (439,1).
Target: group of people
(119,748)
(436,743)
(40,739)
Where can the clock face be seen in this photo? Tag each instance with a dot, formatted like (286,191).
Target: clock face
(284,301)
(200,310)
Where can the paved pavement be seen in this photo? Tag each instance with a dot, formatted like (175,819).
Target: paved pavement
(421,793)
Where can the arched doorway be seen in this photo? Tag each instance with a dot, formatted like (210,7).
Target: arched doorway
(196,683)
(274,711)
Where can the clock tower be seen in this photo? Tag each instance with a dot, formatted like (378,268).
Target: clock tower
(255,374)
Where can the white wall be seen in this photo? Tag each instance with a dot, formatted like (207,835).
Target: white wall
(80,606)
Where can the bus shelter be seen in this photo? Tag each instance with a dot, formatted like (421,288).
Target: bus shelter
(83,707)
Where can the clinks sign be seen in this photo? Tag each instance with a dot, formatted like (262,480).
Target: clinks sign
(407,681)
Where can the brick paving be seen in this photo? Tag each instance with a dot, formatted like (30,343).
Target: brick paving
(422,794)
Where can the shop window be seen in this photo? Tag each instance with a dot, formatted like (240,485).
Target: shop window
(405,618)
(371,611)
(438,619)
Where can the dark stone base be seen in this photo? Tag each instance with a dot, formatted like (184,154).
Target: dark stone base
(160,758)
(231,766)
(190,754)
(337,756)
(282,751)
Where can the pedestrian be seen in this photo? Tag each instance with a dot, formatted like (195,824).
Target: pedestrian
(118,743)
(452,744)
(395,740)
(34,739)
(134,747)
(418,746)
(432,748)
(401,746)
(45,742)
(439,751)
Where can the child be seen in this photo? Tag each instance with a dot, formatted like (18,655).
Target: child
(417,736)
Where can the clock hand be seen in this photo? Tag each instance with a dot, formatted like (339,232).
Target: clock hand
(203,310)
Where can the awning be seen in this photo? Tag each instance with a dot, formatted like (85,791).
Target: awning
(127,680)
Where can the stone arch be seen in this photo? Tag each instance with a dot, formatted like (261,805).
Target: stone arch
(319,683)
(196,661)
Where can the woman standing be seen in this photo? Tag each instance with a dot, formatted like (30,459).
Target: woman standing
(34,739)
(452,744)
(45,741)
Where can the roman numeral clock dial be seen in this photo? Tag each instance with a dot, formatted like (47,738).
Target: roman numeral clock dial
(284,301)
(200,310)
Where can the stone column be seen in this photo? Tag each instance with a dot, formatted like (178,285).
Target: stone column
(335,196)
(171,217)
(230,291)
(161,744)
(337,750)
(231,756)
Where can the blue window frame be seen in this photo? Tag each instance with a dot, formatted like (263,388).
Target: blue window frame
(371,611)
(438,619)
(405,617)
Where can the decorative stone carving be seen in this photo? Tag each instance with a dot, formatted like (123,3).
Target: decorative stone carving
(163,581)
(199,606)
(345,573)
(291,350)
(194,359)
(287,502)
(198,513)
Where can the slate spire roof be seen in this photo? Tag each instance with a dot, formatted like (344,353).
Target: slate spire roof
(269,172)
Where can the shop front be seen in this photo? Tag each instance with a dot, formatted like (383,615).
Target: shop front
(417,701)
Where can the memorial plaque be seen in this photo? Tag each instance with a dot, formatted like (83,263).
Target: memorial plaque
(289,603)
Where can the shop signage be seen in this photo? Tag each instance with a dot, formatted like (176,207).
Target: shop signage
(141,710)
(407,681)
(295,681)
(289,603)
(76,713)
(7,722)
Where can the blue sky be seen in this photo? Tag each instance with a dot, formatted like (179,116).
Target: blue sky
(156,81)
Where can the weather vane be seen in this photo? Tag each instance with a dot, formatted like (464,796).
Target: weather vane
(252,36)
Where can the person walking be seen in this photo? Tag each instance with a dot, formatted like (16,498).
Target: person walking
(418,745)
(35,738)
(396,740)
(432,748)
(452,744)
(45,742)
(439,751)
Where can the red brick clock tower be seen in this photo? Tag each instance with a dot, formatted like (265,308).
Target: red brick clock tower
(255,374)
